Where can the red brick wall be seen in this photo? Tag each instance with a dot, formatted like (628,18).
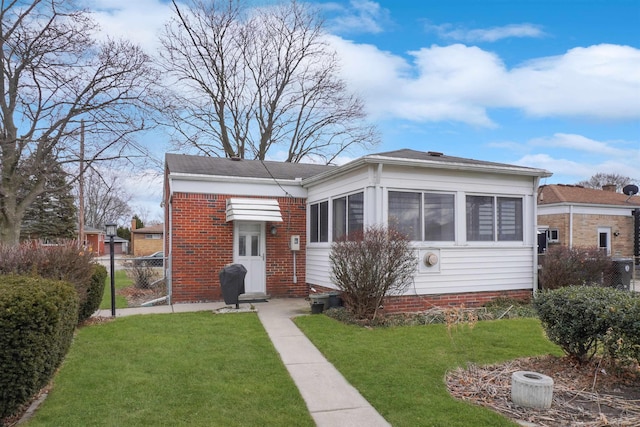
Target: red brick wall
(413,303)
(202,244)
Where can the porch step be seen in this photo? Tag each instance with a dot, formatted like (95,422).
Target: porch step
(253,297)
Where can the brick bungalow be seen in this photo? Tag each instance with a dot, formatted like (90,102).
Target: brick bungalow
(575,216)
(472,223)
(146,240)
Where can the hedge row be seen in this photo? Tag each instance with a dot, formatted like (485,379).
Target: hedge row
(37,319)
(585,319)
(64,262)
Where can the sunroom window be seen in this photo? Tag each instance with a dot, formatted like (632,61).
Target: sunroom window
(348,215)
(423,216)
(319,222)
(491,218)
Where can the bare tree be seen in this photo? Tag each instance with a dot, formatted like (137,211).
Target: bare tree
(251,81)
(105,199)
(600,179)
(53,76)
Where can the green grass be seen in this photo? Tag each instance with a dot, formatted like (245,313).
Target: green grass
(401,370)
(191,369)
(120,281)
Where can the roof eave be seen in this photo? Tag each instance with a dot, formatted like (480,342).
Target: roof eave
(181,176)
(589,205)
(434,164)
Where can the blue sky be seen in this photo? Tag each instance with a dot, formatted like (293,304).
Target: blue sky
(548,84)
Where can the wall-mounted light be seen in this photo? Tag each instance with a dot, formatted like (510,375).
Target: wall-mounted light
(274,230)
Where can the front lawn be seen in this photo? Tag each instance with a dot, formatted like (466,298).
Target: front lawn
(191,369)
(401,370)
(120,281)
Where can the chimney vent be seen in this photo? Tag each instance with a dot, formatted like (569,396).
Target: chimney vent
(609,187)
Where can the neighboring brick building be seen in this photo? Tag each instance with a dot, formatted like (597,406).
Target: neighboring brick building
(147,240)
(575,216)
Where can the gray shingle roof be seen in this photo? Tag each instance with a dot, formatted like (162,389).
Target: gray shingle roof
(220,166)
(430,155)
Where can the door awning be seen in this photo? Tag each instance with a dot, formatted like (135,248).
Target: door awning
(253,210)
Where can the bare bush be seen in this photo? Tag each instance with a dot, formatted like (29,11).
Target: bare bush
(142,275)
(369,265)
(564,266)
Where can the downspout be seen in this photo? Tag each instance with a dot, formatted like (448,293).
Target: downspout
(378,190)
(536,284)
(570,226)
(168,271)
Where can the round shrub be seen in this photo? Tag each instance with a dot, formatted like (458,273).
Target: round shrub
(37,321)
(577,318)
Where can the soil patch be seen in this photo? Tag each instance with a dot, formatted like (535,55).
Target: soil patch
(586,395)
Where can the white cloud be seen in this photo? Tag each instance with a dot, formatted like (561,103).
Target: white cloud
(579,143)
(362,16)
(135,20)
(493,34)
(600,81)
(570,171)
(461,83)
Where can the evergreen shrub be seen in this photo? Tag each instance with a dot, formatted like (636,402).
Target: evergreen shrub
(37,322)
(582,319)
(60,262)
(95,292)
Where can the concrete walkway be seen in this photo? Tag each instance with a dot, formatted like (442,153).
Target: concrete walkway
(331,400)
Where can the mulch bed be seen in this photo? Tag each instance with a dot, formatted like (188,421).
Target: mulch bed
(585,395)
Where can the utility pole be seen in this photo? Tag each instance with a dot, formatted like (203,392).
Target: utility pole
(81,191)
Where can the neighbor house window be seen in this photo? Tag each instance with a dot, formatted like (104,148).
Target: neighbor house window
(423,216)
(319,222)
(348,215)
(492,218)
(153,236)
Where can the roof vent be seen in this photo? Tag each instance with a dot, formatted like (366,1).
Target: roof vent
(434,154)
(235,158)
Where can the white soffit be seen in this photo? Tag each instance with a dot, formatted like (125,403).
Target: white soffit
(253,210)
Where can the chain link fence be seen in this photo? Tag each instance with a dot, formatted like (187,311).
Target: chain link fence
(564,267)
(146,274)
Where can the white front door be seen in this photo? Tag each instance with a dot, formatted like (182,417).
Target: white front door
(249,250)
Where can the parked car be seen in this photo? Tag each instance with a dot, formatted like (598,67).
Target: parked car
(156,259)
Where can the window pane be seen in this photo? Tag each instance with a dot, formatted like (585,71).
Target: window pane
(404,213)
(339,217)
(255,245)
(242,245)
(356,212)
(480,218)
(509,219)
(439,217)
(324,222)
(313,223)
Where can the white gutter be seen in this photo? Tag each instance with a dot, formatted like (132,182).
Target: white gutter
(181,176)
(434,164)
